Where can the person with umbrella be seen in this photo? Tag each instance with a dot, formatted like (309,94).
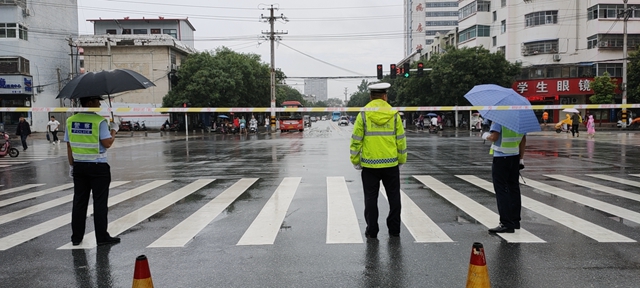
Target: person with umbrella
(508,134)
(575,122)
(88,137)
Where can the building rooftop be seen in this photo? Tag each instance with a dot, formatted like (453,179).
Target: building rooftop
(159,19)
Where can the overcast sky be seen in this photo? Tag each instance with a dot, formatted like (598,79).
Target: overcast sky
(351,36)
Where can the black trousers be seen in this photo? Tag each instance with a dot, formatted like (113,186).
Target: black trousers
(23,139)
(505,172)
(390,178)
(90,178)
(574,129)
(55,135)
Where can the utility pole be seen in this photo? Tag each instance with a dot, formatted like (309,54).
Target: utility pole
(272,37)
(624,65)
(345,96)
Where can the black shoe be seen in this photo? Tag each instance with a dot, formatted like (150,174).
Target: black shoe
(109,241)
(74,243)
(366,234)
(394,234)
(501,229)
(25,148)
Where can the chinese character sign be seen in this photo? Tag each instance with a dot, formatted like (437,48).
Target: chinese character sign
(419,7)
(555,87)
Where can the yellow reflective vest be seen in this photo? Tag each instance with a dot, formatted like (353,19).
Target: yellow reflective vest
(378,139)
(509,144)
(84,136)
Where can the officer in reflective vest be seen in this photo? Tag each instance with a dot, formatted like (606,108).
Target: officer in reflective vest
(379,148)
(88,137)
(508,152)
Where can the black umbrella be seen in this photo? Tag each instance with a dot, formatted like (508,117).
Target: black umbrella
(101,83)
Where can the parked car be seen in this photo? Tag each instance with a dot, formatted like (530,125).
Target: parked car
(324,118)
(344,120)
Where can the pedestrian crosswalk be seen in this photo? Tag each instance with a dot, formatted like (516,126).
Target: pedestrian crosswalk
(344,225)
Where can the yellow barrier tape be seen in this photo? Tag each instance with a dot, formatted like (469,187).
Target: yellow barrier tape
(314,109)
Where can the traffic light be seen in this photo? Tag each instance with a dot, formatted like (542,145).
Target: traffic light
(379,67)
(406,68)
(173,78)
(420,69)
(392,73)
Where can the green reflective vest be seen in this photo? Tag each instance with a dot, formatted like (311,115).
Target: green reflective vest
(84,136)
(378,139)
(510,144)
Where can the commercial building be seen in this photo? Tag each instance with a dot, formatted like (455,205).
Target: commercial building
(317,88)
(151,47)
(34,59)
(426,18)
(562,44)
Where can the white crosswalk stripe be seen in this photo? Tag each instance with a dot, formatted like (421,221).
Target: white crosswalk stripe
(265,227)
(122,224)
(485,216)
(586,228)
(596,204)
(344,225)
(190,227)
(616,179)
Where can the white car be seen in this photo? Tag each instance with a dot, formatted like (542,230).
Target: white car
(344,120)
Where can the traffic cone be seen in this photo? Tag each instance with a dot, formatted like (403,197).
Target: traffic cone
(478,276)
(141,274)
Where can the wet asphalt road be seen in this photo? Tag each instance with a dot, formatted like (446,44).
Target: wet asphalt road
(299,255)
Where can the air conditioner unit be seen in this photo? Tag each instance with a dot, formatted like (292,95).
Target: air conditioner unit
(556,57)
(174,67)
(26,12)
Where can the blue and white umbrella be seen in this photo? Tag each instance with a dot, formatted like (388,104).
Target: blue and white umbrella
(520,121)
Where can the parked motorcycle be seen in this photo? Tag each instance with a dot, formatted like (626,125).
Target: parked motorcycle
(6,148)
(139,127)
(253,128)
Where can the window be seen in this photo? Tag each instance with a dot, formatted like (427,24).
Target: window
(614,69)
(442,14)
(442,4)
(155,31)
(112,31)
(502,49)
(473,32)
(434,32)
(540,47)
(541,18)
(503,26)
(126,31)
(616,40)
(467,10)
(611,11)
(427,23)
(484,6)
(592,41)
(495,16)
(139,31)
(503,3)
(172,32)
(13,30)
(428,42)
(14,65)
(494,41)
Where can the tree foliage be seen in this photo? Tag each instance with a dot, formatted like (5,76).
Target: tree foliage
(633,77)
(222,78)
(360,98)
(603,89)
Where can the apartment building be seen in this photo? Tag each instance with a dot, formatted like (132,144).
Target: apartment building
(424,19)
(34,56)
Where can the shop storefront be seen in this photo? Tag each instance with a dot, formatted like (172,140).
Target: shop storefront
(15,91)
(561,91)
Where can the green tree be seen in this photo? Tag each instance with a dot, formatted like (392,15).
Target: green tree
(288,93)
(335,102)
(361,97)
(603,91)
(221,78)
(633,77)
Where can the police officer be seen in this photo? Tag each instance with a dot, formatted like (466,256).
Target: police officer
(378,148)
(508,152)
(88,137)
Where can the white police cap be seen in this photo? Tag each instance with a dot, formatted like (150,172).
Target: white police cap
(379,87)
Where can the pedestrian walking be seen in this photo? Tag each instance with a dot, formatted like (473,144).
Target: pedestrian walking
(88,137)
(508,152)
(52,126)
(379,148)
(575,122)
(23,130)
(545,117)
(591,127)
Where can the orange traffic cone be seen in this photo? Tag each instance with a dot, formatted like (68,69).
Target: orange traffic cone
(478,276)
(141,274)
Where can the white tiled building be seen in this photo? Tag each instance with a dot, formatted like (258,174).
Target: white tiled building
(424,19)
(34,58)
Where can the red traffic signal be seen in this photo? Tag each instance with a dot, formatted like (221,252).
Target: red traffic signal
(379,67)
(393,71)
(420,68)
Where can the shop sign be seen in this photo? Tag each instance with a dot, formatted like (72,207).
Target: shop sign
(554,87)
(16,84)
